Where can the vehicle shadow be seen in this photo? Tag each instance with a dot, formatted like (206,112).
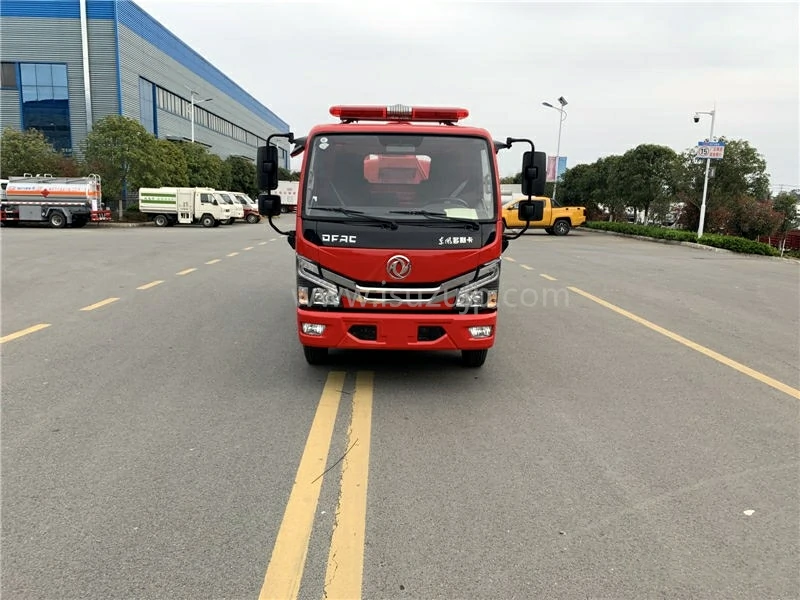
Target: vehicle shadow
(393,361)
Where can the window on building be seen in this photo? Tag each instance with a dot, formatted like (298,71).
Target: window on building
(45,102)
(8,75)
(147,105)
(177,105)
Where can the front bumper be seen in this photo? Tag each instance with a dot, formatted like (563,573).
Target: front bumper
(408,331)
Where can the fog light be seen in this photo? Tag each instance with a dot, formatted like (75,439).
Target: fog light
(481,332)
(313,328)
(302,295)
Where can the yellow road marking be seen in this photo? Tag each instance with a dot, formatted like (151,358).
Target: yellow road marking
(261,243)
(186,271)
(213,262)
(23,332)
(152,284)
(99,304)
(249,248)
(233,254)
(548,277)
(758,376)
(526,267)
(285,570)
(343,577)
(509,259)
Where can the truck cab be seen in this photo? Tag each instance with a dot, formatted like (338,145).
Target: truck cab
(398,234)
(236,208)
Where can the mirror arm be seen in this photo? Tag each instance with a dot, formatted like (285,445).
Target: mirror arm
(518,234)
(269,220)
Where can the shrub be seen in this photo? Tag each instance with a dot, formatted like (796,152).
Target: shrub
(726,242)
(738,244)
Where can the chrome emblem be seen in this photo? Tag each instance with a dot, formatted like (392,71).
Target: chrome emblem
(398,266)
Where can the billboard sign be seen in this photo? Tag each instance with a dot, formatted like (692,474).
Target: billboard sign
(551,167)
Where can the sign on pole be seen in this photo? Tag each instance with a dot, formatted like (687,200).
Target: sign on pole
(551,167)
(712,150)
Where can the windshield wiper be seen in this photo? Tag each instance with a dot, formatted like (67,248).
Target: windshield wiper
(356,213)
(438,216)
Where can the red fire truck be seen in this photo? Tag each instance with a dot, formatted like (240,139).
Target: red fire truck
(399,230)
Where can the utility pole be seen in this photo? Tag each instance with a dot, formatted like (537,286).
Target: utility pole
(562,117)
(713,114)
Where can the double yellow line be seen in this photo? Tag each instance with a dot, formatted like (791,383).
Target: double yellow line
(343,577)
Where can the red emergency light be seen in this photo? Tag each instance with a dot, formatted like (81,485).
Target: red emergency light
(399,112)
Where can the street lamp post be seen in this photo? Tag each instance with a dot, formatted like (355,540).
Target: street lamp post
(713,114)
(562,118)
(193,94)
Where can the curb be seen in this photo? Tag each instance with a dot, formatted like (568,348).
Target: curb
(113,224)
(694,245)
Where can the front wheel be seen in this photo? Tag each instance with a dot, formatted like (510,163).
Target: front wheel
(315,355)
(253,218)
(474,358)
(208,221)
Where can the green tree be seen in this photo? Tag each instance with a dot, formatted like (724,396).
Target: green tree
(205,169)
(242,175)
(742,172)
(287,175)
(173,167)
(125,155)
(649,175)
(27,152)
(785,204)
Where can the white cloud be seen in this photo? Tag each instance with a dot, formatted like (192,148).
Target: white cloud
(633,73)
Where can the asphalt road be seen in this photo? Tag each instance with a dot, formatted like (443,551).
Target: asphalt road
(634,434)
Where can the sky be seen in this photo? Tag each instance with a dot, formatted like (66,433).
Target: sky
(631,73)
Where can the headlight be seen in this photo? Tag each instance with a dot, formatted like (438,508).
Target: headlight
(481,293)
(482,298)
(319,292)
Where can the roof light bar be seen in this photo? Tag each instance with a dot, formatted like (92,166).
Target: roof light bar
(399,112)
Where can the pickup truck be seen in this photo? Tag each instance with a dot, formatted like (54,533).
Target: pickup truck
(556,220)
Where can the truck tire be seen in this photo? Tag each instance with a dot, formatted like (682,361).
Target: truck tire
(474,358)
(57,219)
(207,221)
(315,355)
(253,218)
(161,221)
(561,227)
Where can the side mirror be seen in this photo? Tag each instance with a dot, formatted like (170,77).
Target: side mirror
(531,210)
(269,205)
(267,165)
(534,173)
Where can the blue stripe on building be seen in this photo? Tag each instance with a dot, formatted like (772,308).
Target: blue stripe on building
(127,13)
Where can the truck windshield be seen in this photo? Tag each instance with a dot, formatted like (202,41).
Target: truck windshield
(401,177)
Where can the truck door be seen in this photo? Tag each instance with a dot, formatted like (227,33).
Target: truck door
(185,201)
